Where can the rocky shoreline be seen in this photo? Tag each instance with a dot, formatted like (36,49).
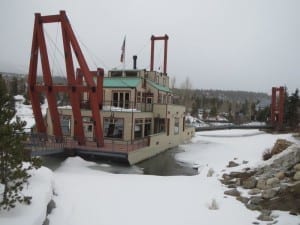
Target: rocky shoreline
(275,185)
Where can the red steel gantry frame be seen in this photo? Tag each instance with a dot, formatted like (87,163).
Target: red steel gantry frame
(165,39)
(75,86)
(277,105)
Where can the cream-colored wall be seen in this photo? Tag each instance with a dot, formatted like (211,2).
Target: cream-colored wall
(159,143)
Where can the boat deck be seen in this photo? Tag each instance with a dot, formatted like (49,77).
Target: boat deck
(40,145)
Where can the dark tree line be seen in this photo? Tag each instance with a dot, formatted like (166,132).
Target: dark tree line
(292,110)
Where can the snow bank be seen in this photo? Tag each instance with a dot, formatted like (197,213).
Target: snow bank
(217,148)
(40,188)
(86,195)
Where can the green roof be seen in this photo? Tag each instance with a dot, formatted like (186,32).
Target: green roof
(121,82)
(159,87)
(130,82)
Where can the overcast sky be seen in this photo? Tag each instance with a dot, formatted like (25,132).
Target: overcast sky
(248,45)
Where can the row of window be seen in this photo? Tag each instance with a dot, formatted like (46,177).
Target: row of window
(122,99)
(114,127)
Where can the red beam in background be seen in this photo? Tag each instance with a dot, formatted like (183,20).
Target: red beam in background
(75,86)
(50,19)
(277,106)
(159,38)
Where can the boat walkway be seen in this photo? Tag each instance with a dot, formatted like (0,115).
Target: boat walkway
(42,145)
(231,126)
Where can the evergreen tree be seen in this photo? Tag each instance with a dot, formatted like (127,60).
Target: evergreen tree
(13,86)
(13,172)
(292,114)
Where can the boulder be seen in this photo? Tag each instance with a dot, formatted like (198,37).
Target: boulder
(242,199)
(256,200)
(269,193)
(265,216)
(280,175)
(297,175)
(232,192)
(249,183)
(273,182)
(261,184)
(280,145)
(297,167)
(232,164)
(254,191)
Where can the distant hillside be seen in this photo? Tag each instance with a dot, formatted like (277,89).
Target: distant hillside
(235,96)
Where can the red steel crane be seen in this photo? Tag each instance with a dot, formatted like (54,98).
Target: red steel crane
(75,86)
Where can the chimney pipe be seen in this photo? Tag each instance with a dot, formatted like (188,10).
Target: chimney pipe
(134,62)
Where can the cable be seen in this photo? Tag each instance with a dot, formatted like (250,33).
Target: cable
(58,50)
(92,55)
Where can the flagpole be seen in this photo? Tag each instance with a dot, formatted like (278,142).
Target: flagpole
(123,56)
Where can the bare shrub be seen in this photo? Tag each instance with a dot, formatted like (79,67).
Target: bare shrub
(267,154)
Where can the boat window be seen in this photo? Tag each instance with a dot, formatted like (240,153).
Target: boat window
(131,74)
(65,122)
(116,74)
(113,127)
(147,126)
(176,126)
(121,99)
(138,128)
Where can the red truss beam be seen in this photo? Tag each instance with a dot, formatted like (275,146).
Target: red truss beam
(277,105)
(159,38)
(75,87)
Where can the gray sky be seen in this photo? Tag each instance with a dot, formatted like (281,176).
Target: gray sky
(247,45)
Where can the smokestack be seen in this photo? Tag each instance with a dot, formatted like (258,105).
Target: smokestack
(134,62)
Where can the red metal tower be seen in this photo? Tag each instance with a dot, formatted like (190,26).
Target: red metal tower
(75,85)
(277,106)
(165,39)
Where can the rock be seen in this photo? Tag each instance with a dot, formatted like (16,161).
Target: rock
(242,175)
(280,175)
(51,205)
(232,192)
(256,223)
(265,216)
(249,183)
(232,164)
(242,199)
(269,193)
(256,200)
(294,213)
(280,145)
(297,167)
(254,191)
(272,182)
(238,181)
(232,186)
(253,206)
(261,184)
(297,175)
(245,162)
(46,222)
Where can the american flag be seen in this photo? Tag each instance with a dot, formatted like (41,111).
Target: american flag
(122,59)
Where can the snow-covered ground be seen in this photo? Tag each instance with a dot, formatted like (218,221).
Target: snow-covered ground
(89,196)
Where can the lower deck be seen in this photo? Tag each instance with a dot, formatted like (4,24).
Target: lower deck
(131,151)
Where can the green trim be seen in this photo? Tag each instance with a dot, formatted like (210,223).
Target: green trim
(121,82)
(159,87)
